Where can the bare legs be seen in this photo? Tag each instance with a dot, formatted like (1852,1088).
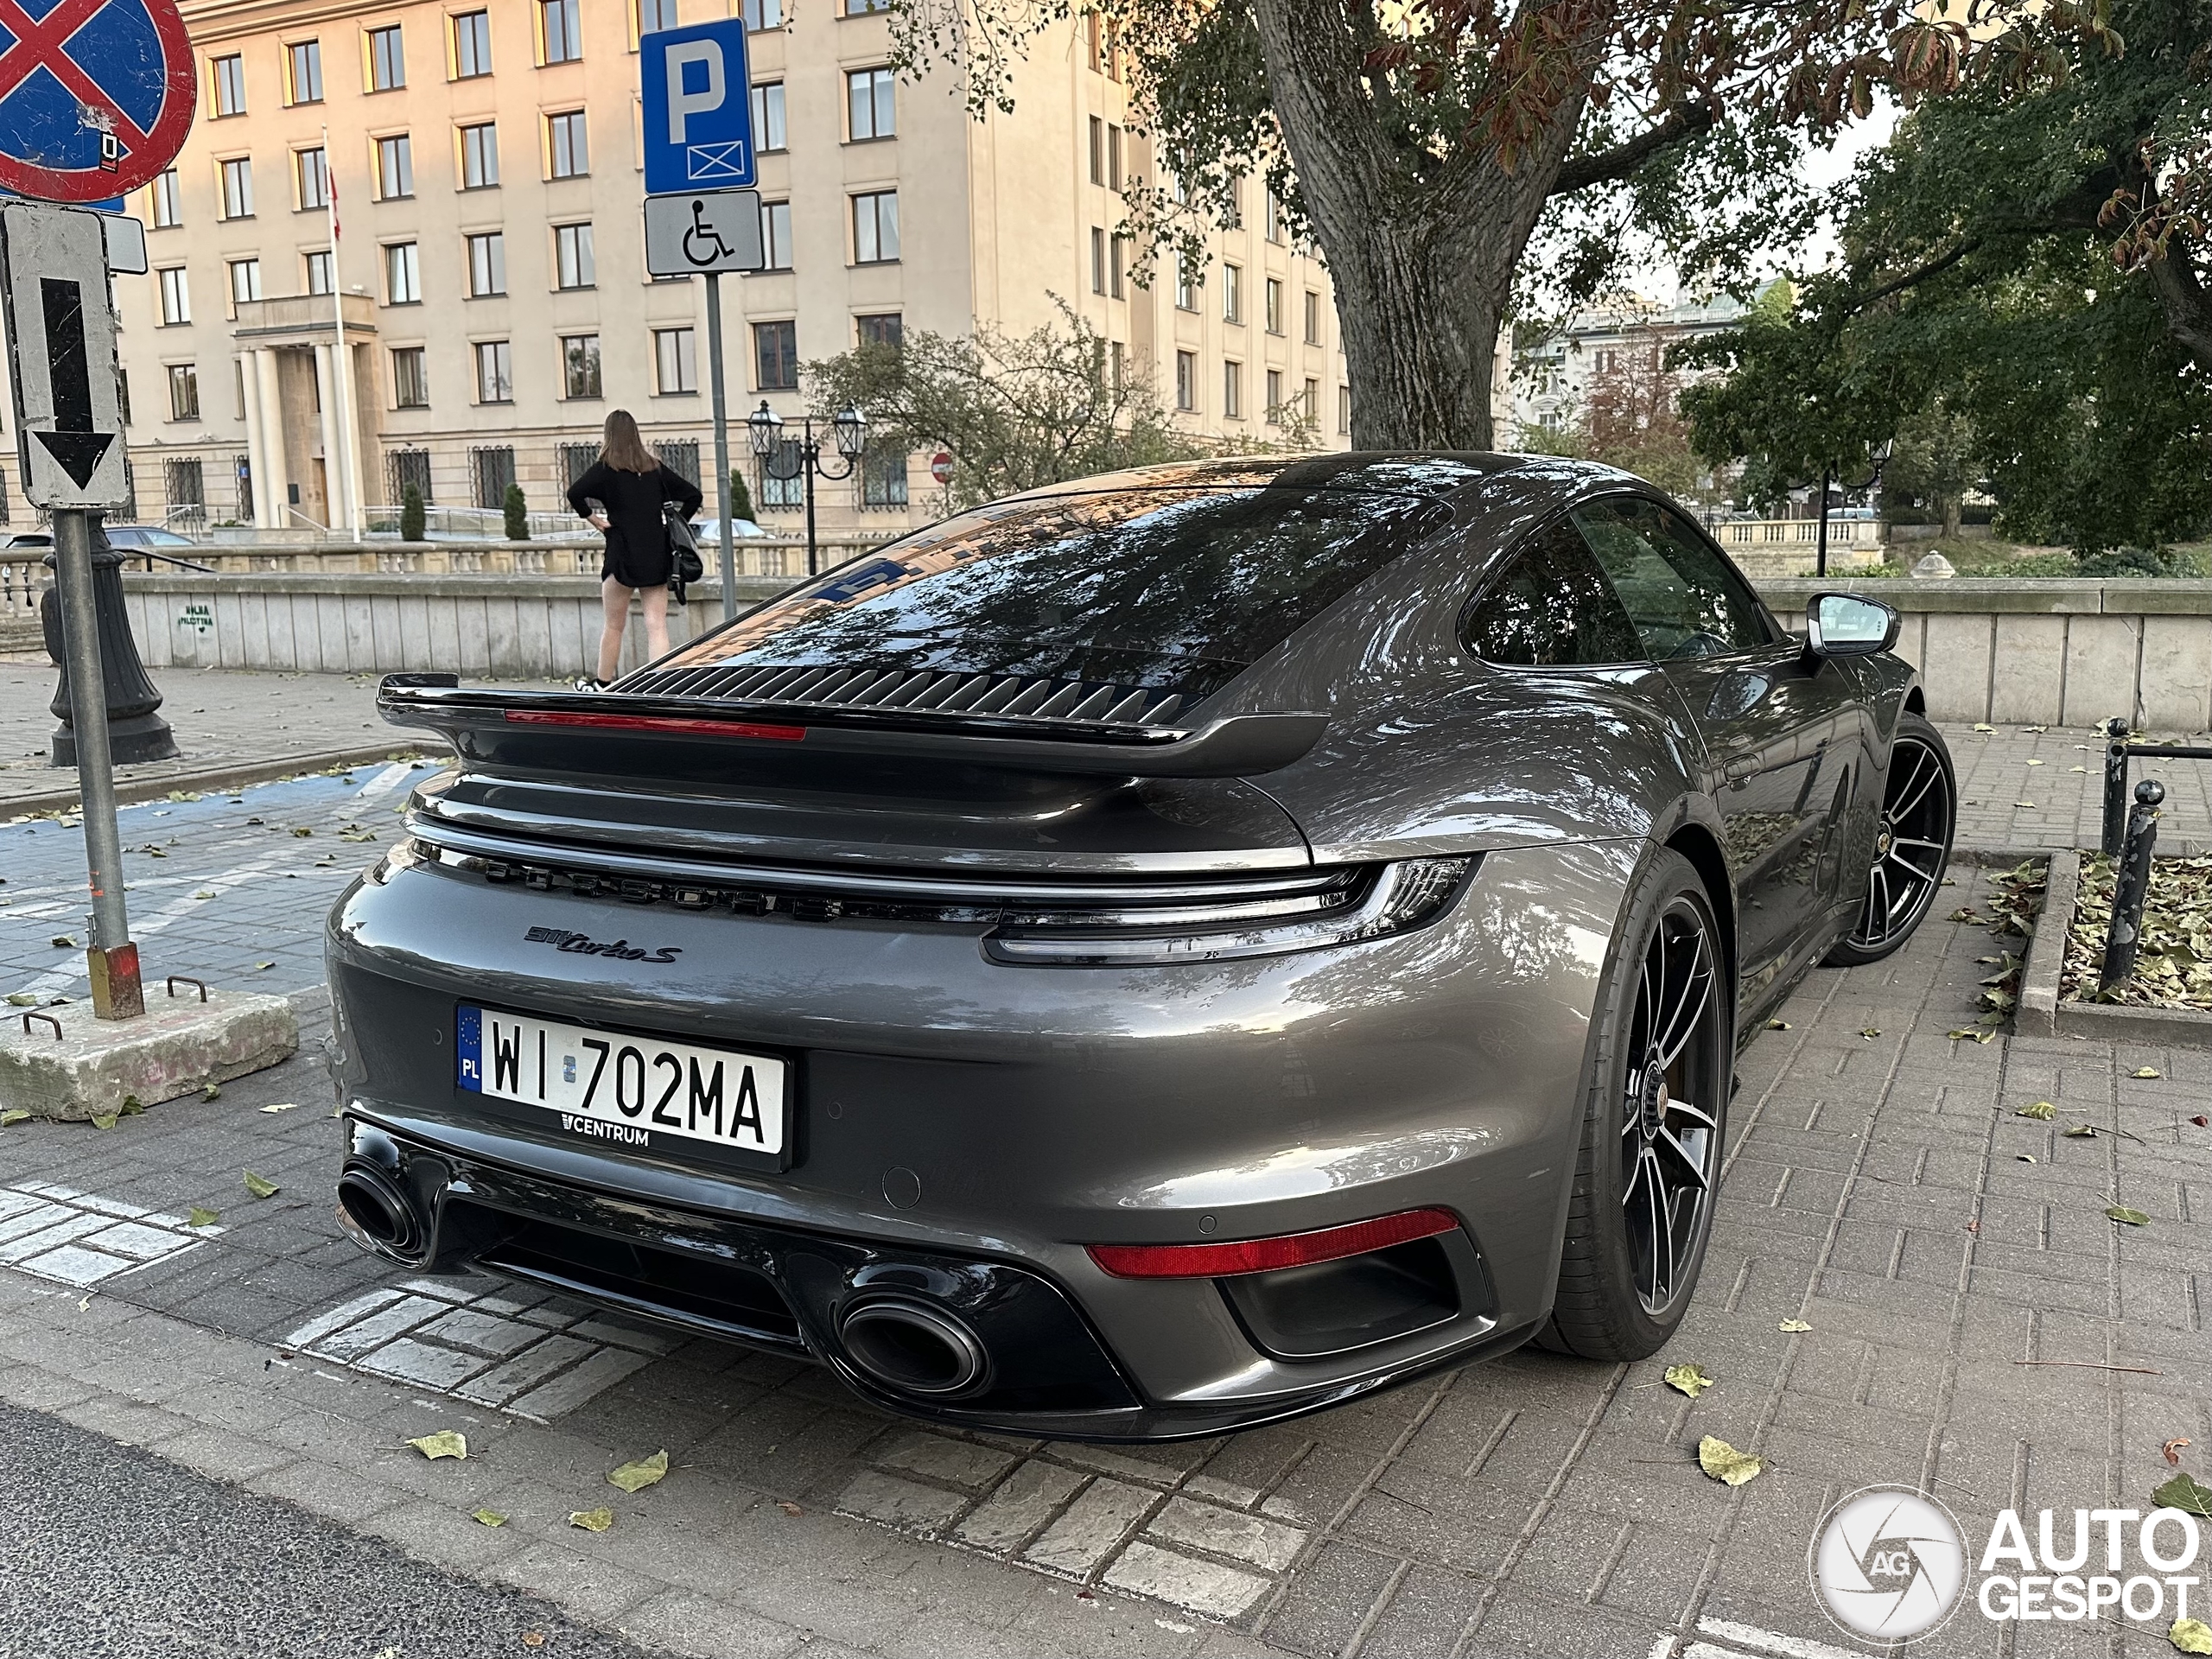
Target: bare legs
(614,599)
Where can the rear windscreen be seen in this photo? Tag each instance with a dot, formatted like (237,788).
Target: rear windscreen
(1150,586)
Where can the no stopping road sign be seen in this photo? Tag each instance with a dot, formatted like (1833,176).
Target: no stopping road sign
(96,96)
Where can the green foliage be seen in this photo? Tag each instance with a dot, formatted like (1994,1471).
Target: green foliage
(1935,463)
(741,497)
(1015,411)
(410,514)
(516,510)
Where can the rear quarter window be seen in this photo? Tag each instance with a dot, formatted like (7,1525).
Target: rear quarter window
(1550,607)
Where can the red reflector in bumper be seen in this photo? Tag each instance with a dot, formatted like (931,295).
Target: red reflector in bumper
(1265,1255)
(657,723)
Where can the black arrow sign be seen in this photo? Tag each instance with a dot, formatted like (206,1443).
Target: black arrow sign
(74,446)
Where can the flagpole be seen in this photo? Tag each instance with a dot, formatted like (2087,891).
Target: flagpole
(346,462)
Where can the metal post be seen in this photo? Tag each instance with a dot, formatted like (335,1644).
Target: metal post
(2125,934)
(1821,564)
(729,565)
(111,957)
(2116,757)
(810,453)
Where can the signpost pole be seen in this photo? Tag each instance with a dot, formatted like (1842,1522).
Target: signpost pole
(721,440)
(113,960)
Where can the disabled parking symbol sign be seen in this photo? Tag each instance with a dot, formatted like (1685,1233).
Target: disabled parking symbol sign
(698,108)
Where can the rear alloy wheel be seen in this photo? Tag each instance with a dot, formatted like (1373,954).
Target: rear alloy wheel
(1649,1164)
(1912,844)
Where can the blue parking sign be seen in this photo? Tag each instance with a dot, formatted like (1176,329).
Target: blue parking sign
(698,108)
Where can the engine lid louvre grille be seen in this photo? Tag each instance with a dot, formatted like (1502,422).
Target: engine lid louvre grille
(1022,697)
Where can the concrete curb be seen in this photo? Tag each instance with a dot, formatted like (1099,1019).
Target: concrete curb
(2038,1006)
(2163,1027)
(208,779)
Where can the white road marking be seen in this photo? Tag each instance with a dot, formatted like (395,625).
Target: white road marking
(56,979)
(385,781)
(78,1239)
(1768,1642)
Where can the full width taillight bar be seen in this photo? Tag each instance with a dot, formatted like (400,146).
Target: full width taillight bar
(657,723)
(1268,1255)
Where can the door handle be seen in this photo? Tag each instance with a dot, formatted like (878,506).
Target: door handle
(1741,768)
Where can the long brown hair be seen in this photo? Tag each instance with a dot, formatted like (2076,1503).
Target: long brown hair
(622,448)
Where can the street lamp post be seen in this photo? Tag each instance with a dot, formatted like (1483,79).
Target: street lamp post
(1828,481)
(802,457)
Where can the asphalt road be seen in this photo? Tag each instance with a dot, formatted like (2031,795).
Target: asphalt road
(112,1552)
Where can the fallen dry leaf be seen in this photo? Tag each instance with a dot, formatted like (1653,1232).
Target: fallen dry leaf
(489,1518)
(1777,1025)
(2042,1110)
(1793,1325)
(636,1476)
(2184,1492)
(2082,1132)
(2146,1072)
(1725,1464)
(202,1217)
(283,1106)
(2171,1450)
(1687,1379)
(2190,1636)
(1973,1226)
(533,1639)
(788,1507)
(2131,1218)
(592,1520)
(1870,1031)
(2201,1122)
(446,1443)
(261,1187)
(13,1116)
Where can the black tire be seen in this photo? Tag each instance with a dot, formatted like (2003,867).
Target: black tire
(1617,1297)
(1912,844)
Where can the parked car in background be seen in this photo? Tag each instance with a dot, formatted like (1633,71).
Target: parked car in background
(153,536)
(1144,958)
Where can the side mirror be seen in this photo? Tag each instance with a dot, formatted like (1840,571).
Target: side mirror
(1845,624)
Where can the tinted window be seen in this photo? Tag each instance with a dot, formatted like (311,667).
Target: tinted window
(1682,596)
(1160,587)
(1552,607)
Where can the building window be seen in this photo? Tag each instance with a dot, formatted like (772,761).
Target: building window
(863,7)
(311,178)
(1098,136)
(303,69)
(402,467)
(1309,403)
(237,188)
(1232,293)
(776,235)
(1313,318)
(184,391)
(1275,306)
(572,259)
(675,360)
(580,365)
(1344,410)
(764,14)
(183,481)
(883,478)
(1275,409)
(176,297)
(875,228)
(1097,260)
(868,108)
(168,202)
(882,328)
(1276,226)
(577,460)
(654,16)
(1186,381)
(1187,289)
(1117,248)
(320,278)
(568,148)
(768,116)
(679,455)
(395,168)
(490,472)
(560,31)
(402,274)
(487,266)
(1114,180)
(245,281)
(472,45)
(775,356)
(387,62)
(479,156)
(1232,391)
(495,371)
(230,84)
(1116,364)
(786,493)
(410,380)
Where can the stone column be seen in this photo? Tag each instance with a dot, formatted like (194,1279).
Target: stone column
(272,441)
(257,438)
(333,453)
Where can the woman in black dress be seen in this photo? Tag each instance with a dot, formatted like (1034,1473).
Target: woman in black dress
(621,495)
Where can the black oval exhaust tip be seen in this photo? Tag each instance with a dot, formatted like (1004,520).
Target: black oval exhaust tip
(914,1348)
(377,1212)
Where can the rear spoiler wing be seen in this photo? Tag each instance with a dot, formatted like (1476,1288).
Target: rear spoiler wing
(481,723)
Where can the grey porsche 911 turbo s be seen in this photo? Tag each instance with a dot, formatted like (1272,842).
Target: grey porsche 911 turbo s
(1142,958)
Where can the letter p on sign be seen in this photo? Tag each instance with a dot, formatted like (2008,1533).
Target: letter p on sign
(684,103)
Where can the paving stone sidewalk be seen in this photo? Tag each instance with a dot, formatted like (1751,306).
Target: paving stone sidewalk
(1878,1189)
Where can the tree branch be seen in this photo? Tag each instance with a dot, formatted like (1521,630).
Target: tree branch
(1682,122)
(1941,262)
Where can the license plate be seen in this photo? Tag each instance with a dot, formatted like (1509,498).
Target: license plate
(625,1089)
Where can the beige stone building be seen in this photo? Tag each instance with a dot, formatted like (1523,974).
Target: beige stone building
(486,160)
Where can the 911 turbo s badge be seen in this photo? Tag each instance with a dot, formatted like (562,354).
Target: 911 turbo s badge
(582,945)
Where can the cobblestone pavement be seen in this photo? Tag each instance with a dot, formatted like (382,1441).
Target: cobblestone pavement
(1962,1287)
(2037,788)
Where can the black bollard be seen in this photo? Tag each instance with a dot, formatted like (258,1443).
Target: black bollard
(2125,935)
(135,731)
(2115,823)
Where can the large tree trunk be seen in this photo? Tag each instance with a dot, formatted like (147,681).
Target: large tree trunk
(1422,250)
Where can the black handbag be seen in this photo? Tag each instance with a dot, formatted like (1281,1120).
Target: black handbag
(686,566)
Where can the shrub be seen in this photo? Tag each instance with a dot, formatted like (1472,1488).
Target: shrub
(741,499)
(410,514)
(518,514)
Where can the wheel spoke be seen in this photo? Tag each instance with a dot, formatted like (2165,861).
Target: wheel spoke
(1662,1241)
(1922,761)
(1912,841)
(1696,1114)
(1695,992)
(1693,1170)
